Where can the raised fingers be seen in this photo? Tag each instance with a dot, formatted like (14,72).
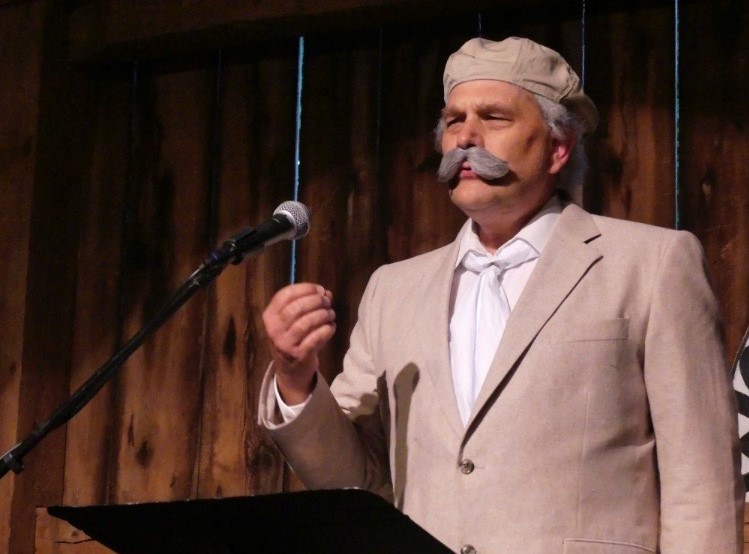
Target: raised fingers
(293,298)
(299,309)
(299,320)
(291,292)
(310,344)
(306,323)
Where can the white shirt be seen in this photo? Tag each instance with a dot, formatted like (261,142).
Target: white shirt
(536,233)
(465,375)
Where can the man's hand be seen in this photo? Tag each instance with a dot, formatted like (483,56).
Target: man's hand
(299,322)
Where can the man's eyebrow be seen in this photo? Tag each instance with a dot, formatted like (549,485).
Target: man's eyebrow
(448,111)
(492,107)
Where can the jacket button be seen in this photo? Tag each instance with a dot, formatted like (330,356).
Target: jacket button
(466,467)
(468,549)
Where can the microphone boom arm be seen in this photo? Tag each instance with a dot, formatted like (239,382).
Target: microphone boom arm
(248,243)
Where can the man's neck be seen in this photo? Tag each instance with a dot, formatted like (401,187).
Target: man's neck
(493,232)
(493,238)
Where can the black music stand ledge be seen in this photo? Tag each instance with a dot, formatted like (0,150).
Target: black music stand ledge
(347,521)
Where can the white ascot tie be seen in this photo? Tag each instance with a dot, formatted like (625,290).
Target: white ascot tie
(486,309)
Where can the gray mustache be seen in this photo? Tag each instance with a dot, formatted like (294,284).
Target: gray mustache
(485,164)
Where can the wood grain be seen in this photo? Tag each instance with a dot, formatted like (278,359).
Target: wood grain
(255,175)
(715,151)
(417,210)
(630,76)
(119,30)
(339,177)
(97,324)
(160,389)
(20,57)
(57,138)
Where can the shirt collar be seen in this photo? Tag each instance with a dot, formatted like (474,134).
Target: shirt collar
(536,232)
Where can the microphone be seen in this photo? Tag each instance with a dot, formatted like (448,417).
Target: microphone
(290,221)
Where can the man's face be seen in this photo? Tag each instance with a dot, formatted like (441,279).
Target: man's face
(506,121)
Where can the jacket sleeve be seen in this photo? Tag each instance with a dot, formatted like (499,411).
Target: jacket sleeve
(693,409)
(338,440)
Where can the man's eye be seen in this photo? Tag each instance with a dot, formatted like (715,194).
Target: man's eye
(496,117)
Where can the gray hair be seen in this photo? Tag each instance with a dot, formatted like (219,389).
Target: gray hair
(561,123)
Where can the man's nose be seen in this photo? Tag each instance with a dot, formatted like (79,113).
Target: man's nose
(470,135)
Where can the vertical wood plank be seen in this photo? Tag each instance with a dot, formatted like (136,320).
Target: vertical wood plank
(256,174)
(159,392)
(63,100)
(90,434)
(630,76)
(20,58)
(715,150)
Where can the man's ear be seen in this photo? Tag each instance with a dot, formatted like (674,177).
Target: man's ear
(561,151)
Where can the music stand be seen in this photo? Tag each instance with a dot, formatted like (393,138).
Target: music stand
(350,521)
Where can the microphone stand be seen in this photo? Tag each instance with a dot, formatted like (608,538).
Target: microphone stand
(248,242)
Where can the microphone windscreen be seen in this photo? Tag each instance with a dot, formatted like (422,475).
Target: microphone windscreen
(298,214)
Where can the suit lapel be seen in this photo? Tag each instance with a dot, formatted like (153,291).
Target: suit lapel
(565,260)
(432,331)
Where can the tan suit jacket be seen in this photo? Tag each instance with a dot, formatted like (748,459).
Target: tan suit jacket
(606,424)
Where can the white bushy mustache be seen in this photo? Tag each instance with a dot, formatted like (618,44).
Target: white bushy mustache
(485,164)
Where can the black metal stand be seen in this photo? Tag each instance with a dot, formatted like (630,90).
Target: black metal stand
(247,243)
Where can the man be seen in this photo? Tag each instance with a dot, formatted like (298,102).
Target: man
(552,381)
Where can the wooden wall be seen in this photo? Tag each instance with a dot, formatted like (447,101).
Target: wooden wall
(21,24)
(120,170)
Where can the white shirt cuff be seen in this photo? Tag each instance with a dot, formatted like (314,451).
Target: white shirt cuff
(289,413)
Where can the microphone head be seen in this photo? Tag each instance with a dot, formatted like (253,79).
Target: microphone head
(299,216)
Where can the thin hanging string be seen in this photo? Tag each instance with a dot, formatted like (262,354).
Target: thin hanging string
(297,141)
(677,120)
(480,26)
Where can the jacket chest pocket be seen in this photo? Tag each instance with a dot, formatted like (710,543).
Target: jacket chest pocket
(592,346)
